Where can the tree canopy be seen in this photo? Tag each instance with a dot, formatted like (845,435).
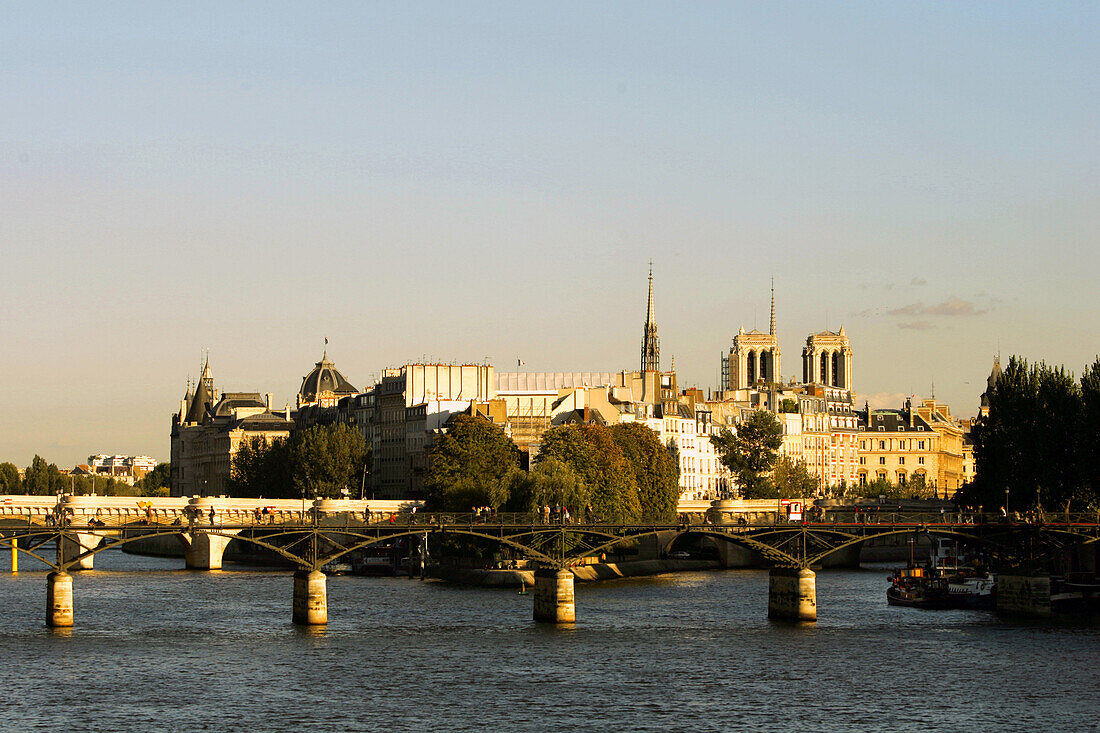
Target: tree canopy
(9,479)
(791,479)
(472,464)
(656,471)
(592,453)
(319,461)
(751,452)
(1036,447)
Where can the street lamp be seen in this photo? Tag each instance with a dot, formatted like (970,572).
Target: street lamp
(1006,502)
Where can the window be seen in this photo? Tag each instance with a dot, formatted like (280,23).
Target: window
(862,460)
(882,445)
(882,460)
(920,460)
(901,460)
(920,445)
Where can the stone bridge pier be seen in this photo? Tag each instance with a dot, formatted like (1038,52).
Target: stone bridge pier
(205,550)
(792,594)
(59,600)
(554,599)
(71,544)
(310,598)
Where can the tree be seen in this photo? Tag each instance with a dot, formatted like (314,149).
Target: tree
(158,478)
(788,405)
(9,479)
(593,454)
(325,459)
(792,480)
(1088,435)
(750,453)
(1028,450)
(472,464)
(39,479)
(551,482)
(656,471)
(261,468)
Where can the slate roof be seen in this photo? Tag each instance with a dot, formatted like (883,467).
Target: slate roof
(325,378)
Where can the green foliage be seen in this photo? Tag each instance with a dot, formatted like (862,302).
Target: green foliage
(316,462)
(1037,441)
(791,480)
(751,452)
(159,477)
(593,454)
(41,479)
(551,482)
(325,459)
(9,479)
(656,471)
(788,405)
(893,492)
(261,468)
(473,464)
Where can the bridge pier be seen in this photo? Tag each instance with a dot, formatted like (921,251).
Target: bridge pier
(554,599)
(59,600)
(1026,596)
(204,550)
(71,544)
(792,594)
(310,598)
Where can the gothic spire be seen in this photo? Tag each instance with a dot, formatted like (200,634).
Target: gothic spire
(651,350)
(772,331)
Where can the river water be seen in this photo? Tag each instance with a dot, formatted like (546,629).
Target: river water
(160,648)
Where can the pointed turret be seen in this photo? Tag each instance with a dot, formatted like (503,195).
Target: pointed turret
(651,349)
(204,396)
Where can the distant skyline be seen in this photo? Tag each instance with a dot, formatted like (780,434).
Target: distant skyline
(476,182)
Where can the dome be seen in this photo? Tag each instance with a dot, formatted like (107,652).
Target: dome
(324,378)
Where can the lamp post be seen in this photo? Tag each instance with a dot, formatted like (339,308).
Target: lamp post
(1006,502)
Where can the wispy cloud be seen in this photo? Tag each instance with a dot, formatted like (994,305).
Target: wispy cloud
(916,325)
(918,281)
(949,307)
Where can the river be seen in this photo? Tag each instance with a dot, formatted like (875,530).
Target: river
(156,647)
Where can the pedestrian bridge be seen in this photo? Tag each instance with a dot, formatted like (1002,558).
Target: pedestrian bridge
(309,535)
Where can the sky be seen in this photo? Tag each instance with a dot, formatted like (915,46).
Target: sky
(472,182)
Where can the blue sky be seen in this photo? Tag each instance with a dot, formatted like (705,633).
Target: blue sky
(465,182)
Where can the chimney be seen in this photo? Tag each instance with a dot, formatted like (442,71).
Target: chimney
(270,397)
(286,412)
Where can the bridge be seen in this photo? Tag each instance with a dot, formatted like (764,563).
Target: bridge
(309,535)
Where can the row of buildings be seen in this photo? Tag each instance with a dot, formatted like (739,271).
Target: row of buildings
(408,406)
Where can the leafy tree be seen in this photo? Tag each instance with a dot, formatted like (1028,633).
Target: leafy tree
(792,480)
(893,492)
(38,479)
(325,459)
(1088,435)
(551,482)
(656,470)
(1033,445)
(788,405)
(472,464)
(1057,417)
(261,468)
(751,452)
(592,453)
(159,477)
(9,479)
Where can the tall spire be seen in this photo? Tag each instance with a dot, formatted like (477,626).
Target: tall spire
(651,350)
(772,331)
